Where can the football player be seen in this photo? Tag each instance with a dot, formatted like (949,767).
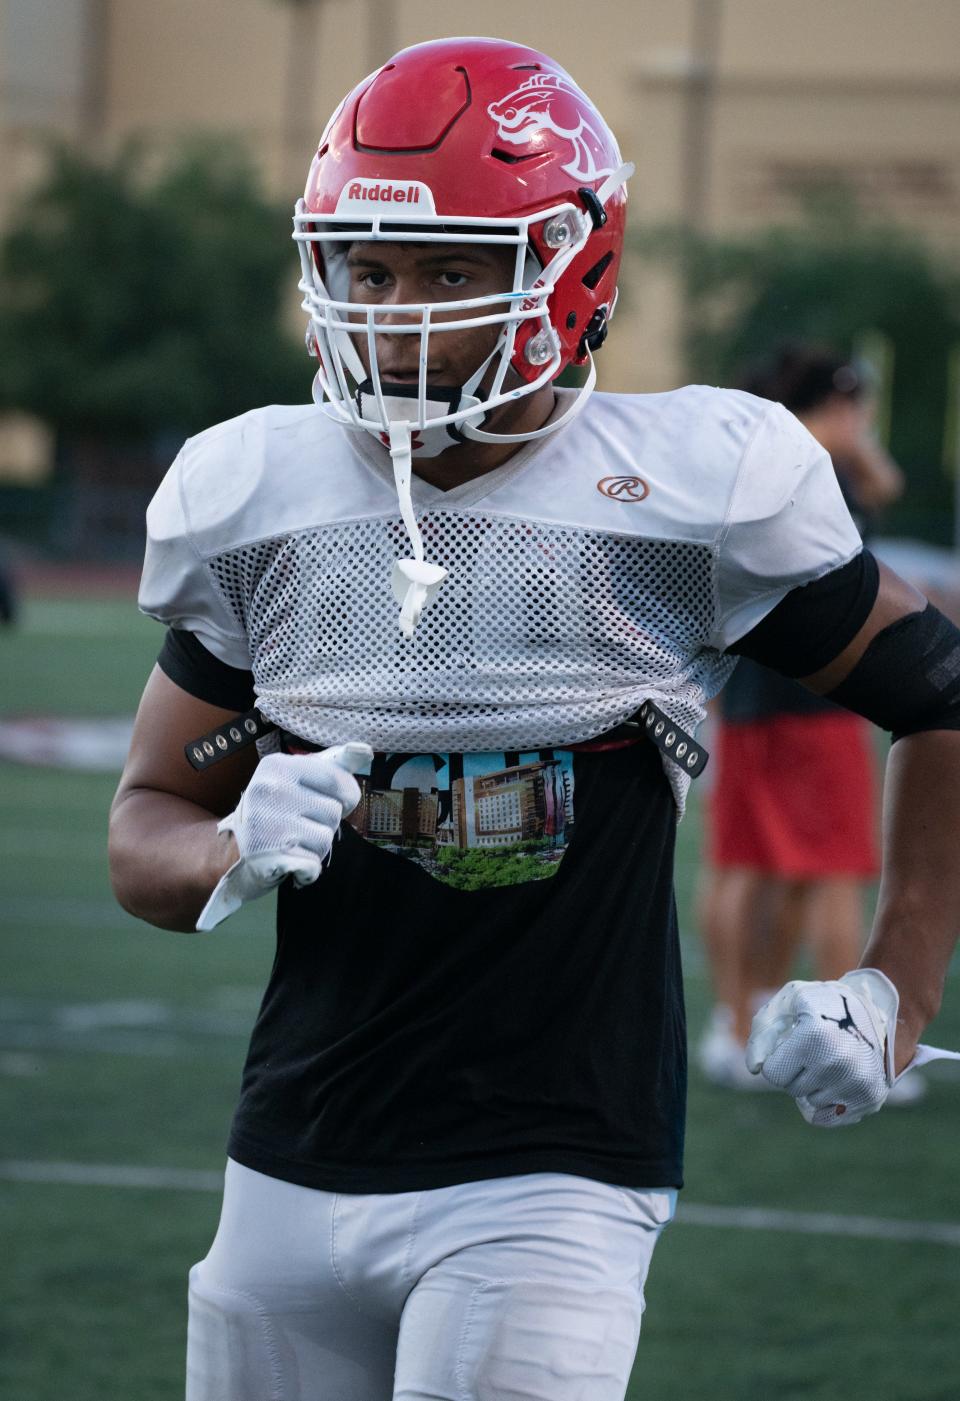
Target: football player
(471,620)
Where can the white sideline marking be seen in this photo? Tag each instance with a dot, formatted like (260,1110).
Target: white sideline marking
(689,1213)
(113,1175)
(817,1223)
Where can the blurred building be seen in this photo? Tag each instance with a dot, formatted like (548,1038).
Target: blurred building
(728,107)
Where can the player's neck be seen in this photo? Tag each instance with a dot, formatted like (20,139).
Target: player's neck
(470,459)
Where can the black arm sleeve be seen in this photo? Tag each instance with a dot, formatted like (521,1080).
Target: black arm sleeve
(908,679)
(813,624)
(191,667)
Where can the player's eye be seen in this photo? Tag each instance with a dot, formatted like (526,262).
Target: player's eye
(447,278)
(374,281)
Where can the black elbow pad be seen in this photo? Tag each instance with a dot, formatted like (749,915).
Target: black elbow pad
(908,679)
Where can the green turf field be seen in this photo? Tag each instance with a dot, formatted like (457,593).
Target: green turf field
(121,1048)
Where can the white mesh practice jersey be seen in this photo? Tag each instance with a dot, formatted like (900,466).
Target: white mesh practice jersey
(608,563)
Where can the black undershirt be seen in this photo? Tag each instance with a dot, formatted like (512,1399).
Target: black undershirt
(192,667)
(415,1035)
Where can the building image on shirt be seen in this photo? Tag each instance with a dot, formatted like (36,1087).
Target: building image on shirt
(397,817)
(524,802)
(470,819)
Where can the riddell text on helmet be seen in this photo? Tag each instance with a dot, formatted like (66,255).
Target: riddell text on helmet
(399,194)
(360,194)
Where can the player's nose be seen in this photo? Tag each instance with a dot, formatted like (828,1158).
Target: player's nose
(403,293)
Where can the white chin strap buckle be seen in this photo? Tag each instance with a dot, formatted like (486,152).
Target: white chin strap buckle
(415,584)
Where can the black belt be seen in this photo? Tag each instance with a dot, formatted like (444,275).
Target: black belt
(669,738)
(650,720)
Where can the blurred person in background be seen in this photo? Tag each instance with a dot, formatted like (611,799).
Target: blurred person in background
(479,617)
(8,596)
(792,816)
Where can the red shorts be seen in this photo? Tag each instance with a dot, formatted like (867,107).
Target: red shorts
(795,795)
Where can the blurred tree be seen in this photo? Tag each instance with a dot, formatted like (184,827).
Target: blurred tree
(137,302)
(835,277)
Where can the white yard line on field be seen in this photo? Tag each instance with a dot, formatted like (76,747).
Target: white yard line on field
(689,1213)
(112,1175)
(817,1223)
(129,1027)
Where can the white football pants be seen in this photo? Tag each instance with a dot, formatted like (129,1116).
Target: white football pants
(516,1289)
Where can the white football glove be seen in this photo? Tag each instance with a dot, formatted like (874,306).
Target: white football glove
(830,1045)
(285,823)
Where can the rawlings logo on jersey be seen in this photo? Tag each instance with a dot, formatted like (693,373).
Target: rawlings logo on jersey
(624,488)
(546,102)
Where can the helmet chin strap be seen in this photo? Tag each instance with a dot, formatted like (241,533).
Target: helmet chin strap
(415,582)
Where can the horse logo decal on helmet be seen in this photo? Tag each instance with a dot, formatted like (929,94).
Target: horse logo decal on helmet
(547,102)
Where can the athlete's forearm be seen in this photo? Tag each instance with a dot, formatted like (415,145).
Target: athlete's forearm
(875,477)
(918,911)
(166,856)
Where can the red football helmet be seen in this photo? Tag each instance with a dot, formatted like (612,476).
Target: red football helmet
(458,141)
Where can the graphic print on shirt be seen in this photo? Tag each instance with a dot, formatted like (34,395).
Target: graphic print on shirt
(471,820)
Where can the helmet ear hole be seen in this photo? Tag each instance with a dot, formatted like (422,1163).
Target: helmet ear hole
(593,276)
